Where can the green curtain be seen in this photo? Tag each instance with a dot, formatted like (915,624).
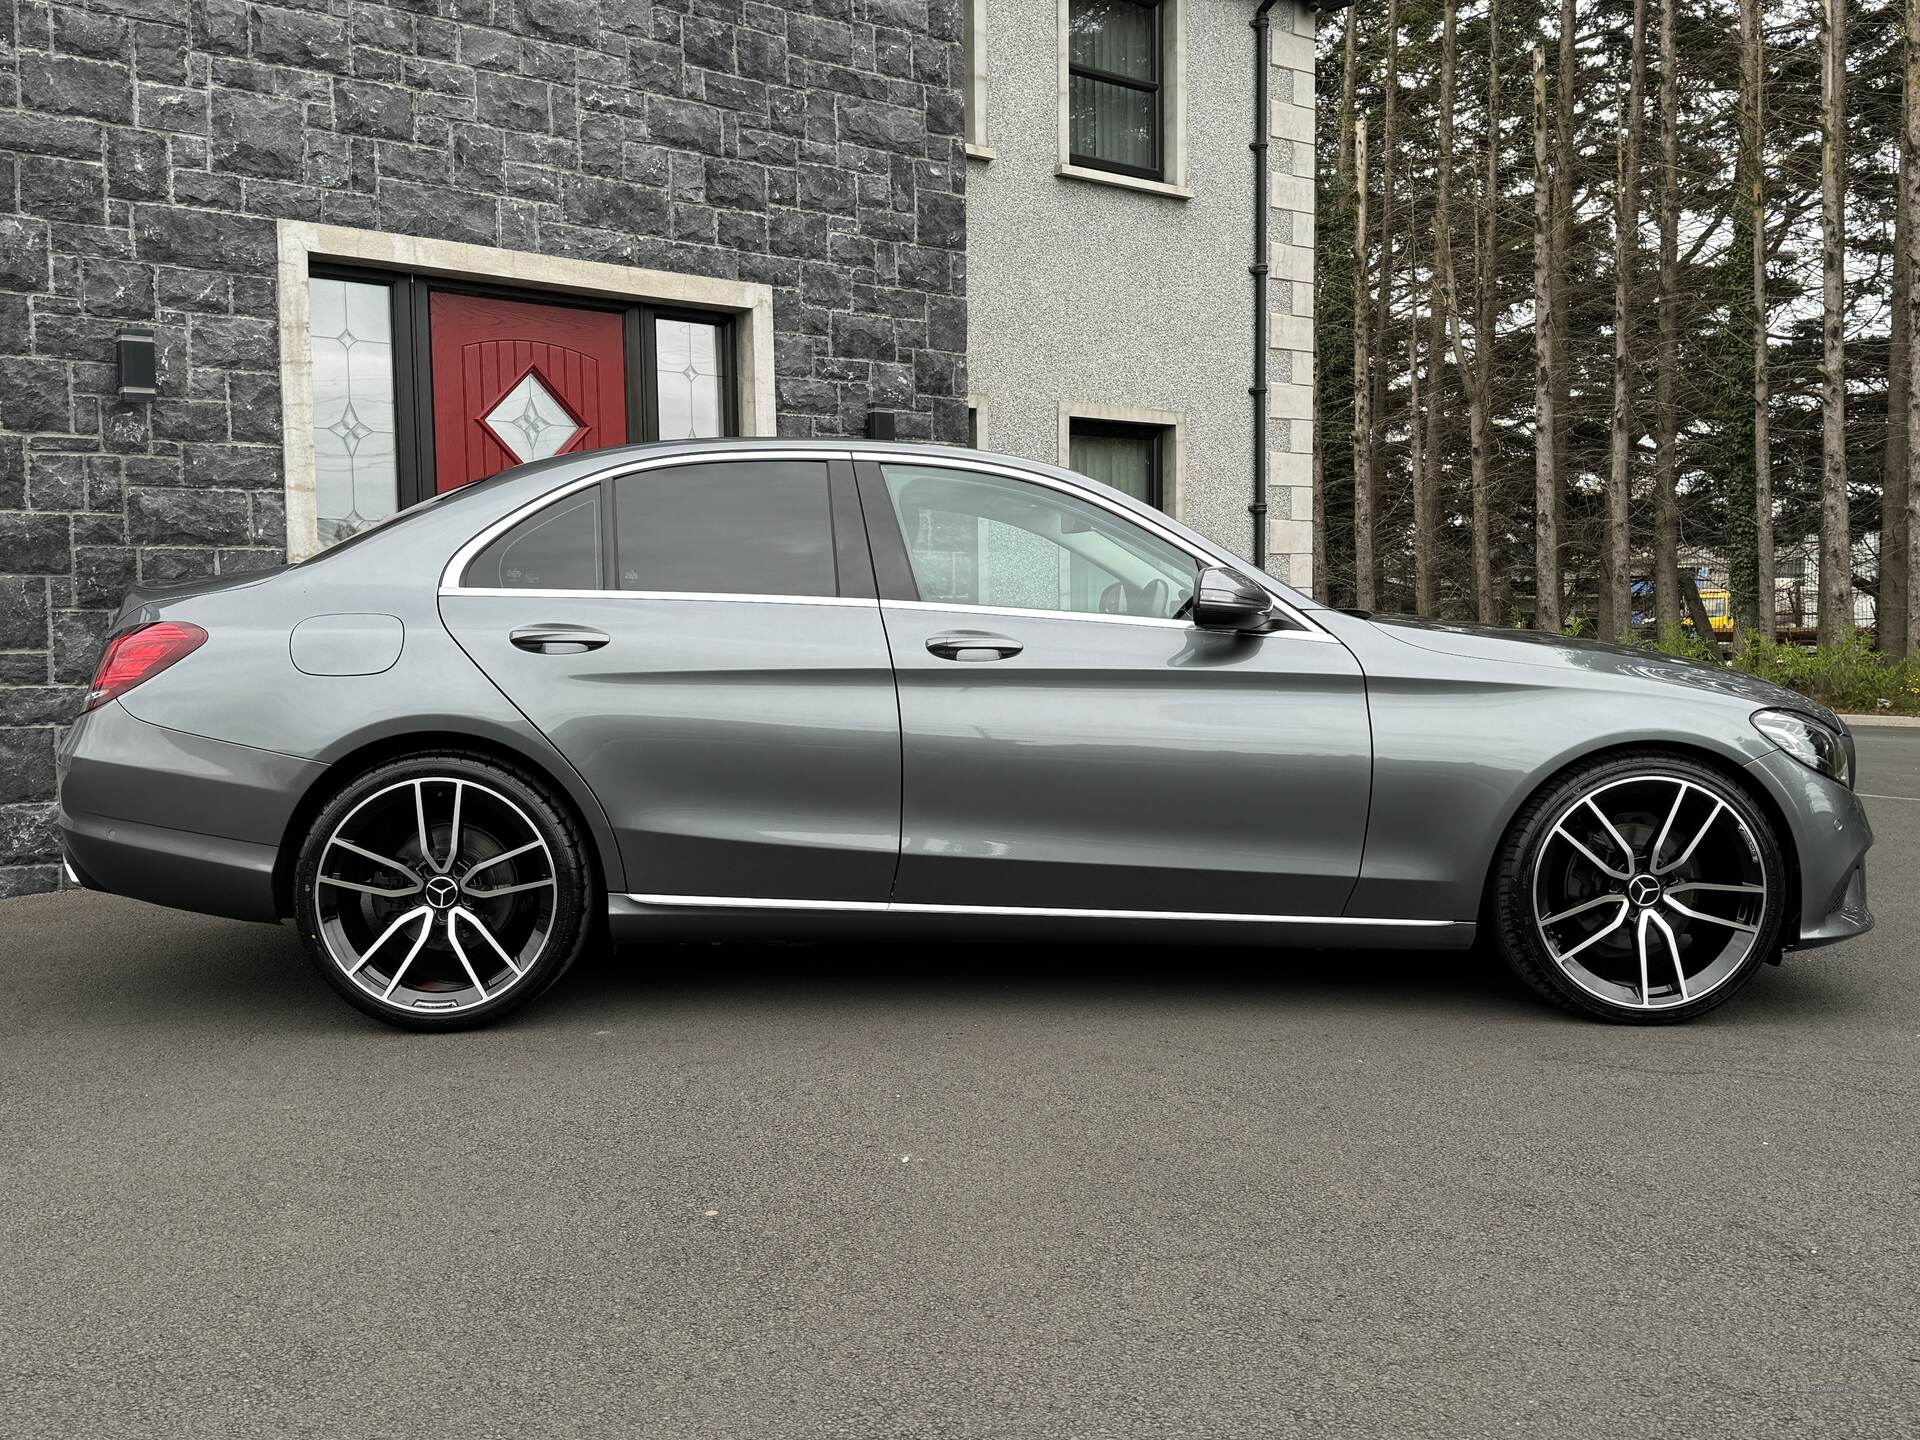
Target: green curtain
(1122,461)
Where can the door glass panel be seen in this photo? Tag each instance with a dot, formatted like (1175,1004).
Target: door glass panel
(350,339)
(557,548)
(687,379)
(986,540)
(532,421)
(732,527)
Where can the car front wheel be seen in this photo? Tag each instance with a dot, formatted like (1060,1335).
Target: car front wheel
(1641,888)
(438,892)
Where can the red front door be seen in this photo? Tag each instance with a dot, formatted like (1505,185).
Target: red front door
(515,381)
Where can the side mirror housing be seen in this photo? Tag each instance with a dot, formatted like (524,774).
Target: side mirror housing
(1227,600)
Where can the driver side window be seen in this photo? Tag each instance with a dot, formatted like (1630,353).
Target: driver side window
(976,539)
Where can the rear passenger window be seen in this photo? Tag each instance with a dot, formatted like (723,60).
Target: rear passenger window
(741,527)
(557,548)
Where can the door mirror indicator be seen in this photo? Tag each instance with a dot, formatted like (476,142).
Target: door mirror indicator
(1228,600)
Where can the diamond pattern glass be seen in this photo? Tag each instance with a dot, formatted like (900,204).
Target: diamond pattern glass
(687,379)
(350,341)
(531,421)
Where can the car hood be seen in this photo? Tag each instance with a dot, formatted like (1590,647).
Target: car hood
(1627,662)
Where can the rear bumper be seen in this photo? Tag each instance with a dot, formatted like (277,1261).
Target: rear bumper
(1831,838)
(176,819)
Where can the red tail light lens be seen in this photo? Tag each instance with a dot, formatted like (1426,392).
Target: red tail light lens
(140,654)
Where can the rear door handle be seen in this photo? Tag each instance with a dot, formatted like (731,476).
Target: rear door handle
(558,639)
(973,645)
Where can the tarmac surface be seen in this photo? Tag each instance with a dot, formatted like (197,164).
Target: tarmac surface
(770,1193)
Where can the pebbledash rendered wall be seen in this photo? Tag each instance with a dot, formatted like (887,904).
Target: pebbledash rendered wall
(148,148)
(1100,299)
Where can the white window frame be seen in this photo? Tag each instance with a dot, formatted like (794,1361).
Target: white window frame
(303,243)
(1173,110)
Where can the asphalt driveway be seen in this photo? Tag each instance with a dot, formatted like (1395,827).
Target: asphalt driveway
(770,1193)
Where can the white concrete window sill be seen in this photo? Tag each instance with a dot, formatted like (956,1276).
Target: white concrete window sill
(1124,182)
(981,152)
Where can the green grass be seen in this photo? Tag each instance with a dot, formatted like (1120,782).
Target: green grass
(1850,676)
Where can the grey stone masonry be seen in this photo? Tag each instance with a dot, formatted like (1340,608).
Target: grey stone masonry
(147,148)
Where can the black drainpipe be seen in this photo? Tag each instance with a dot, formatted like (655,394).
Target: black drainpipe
(1262,125)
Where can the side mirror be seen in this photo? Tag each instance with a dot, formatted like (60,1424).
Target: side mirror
(1227,600)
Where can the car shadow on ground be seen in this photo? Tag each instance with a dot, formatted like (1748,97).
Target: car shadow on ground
(957,973)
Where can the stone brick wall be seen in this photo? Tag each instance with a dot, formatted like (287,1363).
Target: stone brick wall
(148,146)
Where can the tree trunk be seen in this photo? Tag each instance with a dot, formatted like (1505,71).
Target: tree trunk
(1349,47)
(1417,465)
(1836,540)
(1616,576)
(1546,490)
(1666,533)
(1389,153)
(1565,156)
(1363,595)
(1427,495)
(1910,259)
(1754,55)
(1892,608)
(1487,285)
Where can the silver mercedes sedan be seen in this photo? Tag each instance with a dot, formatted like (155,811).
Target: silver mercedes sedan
(841,690)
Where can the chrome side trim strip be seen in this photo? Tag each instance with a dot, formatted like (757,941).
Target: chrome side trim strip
(1035,912)
(456,567)
(664,595)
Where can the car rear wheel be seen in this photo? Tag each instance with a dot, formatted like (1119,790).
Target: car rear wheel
(1643,888)
(438,892)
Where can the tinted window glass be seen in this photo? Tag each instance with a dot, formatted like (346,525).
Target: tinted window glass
(733,527)
(977,539)
(557,548)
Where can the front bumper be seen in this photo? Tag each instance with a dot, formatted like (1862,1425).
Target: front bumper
(176,819)
(1831,838)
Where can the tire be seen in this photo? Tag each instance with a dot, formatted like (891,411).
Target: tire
(440,891)
(1642,888)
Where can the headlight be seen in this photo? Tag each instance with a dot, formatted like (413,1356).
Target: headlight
(1809,742)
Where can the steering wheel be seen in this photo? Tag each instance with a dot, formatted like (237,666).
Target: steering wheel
(1153,599)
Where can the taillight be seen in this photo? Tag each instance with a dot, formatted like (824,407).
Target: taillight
(140,654)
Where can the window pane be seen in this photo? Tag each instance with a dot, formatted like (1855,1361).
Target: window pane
(744,528)
(1126,462)
(555,549)
(350,339)
(985,540)
(1118,36)
(687,379)
(1112,124)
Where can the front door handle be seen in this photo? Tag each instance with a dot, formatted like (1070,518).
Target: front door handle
(973,645)
(558,639)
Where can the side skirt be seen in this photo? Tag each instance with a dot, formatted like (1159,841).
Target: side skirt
(641,918)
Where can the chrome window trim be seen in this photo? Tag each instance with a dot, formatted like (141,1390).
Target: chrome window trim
(1098,617)
(464,556)
(729,596)
(1179,542)
(1033,912)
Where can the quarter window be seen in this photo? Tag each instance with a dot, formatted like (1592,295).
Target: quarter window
(729,527)
(1114,86)
(557,548)
(975,539)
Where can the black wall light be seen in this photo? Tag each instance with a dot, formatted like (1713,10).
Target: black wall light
(139,363)
(880,425)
